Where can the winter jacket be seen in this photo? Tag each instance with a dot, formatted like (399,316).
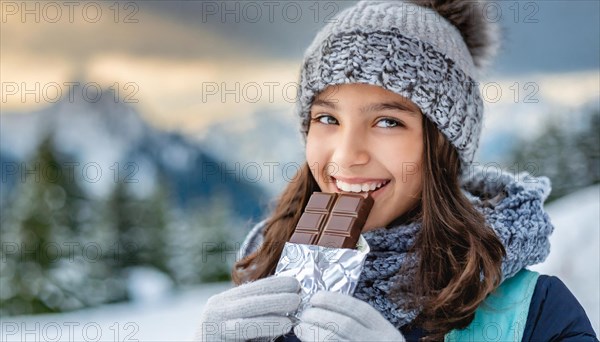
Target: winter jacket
(554,315)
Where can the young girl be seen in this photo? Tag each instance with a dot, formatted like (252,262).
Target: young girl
(389,105)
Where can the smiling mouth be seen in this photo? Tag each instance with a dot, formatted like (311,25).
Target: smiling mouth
(363,188)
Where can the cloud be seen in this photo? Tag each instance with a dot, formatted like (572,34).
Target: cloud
(179,76)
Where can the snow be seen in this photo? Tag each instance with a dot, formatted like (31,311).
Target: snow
(171,318)
(146,284)
(158,315)
(575,248)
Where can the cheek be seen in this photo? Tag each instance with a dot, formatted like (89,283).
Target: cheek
(400,160)
(315,156)
(316,145)
(404,158)
(311,151)
(413,176)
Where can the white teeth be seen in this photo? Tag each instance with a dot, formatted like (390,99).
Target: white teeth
(359,187)
(343,186)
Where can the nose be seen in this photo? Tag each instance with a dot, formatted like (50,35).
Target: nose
(350,150)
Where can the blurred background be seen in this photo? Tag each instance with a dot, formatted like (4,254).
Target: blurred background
(140,141)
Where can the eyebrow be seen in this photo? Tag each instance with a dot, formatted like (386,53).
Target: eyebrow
(373,107)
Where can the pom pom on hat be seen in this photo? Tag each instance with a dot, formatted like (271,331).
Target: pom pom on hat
(481,34)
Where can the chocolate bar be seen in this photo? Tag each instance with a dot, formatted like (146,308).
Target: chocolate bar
(314,217)
(333,220)
(346,220)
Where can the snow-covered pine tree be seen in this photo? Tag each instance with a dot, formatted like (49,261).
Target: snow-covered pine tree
(203,242)
(567,151)
(50,257)
(138,225)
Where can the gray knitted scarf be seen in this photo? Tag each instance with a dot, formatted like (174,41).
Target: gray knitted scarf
(514,210)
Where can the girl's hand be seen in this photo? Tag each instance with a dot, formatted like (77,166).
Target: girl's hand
(253,310)
(335,316)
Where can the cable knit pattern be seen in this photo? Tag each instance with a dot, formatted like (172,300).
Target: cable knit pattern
(409,67)
(412,20)
(525,224)
(512,206)
(389,253)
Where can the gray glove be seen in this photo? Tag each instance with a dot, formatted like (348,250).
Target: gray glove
(253,310)
(339,317)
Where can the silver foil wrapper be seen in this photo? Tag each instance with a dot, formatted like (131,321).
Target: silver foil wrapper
(322,268)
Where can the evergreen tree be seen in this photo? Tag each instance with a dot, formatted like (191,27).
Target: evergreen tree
(153,222)
(568,152)
(139,226)
(51,257)
(589,143)
(35,226)
(219,245)
(203,242)
(123,219)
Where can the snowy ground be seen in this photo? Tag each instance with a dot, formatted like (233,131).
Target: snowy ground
(171,318)
(575,258)
(575,248)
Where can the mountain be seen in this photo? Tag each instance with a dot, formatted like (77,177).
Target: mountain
(267,146)
(111,143)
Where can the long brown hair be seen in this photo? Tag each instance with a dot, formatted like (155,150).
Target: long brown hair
(279,228)
(459,255)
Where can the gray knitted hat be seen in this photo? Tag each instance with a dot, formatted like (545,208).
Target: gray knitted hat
(429,53)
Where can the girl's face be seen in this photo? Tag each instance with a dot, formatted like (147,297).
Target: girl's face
(366,138)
